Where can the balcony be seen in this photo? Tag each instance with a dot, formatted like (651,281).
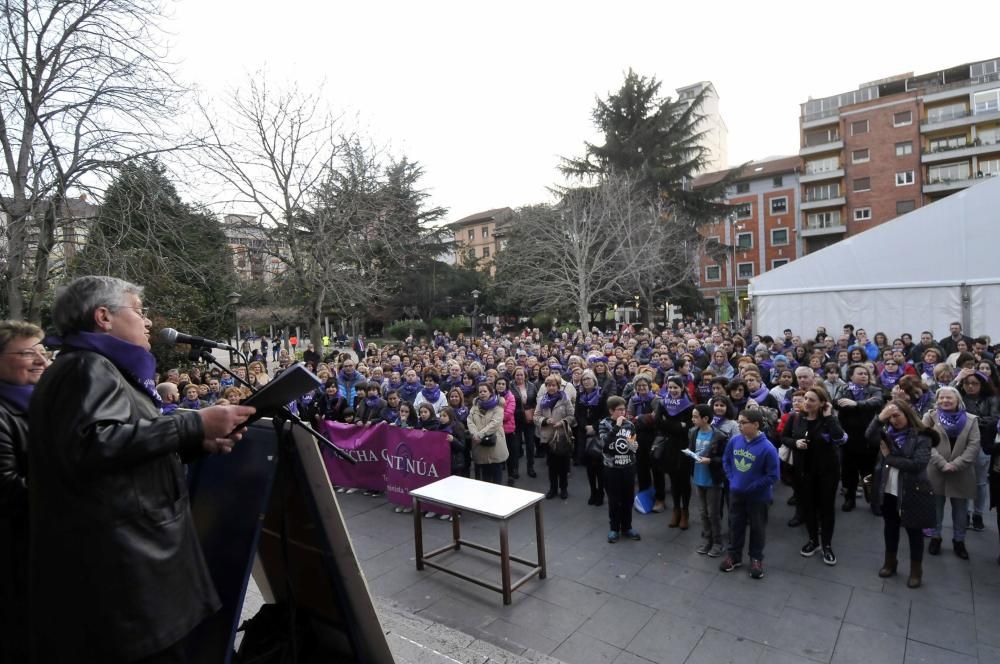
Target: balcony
(959,152)
(823,203)
(822,147)
(958,119)
(820,118)
(941,186)
(836,228)
(823,175)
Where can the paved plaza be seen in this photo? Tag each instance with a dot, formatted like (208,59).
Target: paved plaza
(658,601)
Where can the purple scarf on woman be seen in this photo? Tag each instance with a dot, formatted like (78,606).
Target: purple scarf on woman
(17,396)
(550,400)
(642,403)
(431,394)
(676,406)
(889,380)
(952,421)
(760,394)
(135,362)
(591,398)
(898,436)
(488,404)
(857,391)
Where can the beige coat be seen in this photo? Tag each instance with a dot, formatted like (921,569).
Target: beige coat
(483,424)
(960,483)
(563,410)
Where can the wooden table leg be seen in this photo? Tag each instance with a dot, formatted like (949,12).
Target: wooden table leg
(505,562)
(456,530)
(418,533)
(540,539)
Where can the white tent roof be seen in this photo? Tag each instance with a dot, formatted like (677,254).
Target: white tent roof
(948,243)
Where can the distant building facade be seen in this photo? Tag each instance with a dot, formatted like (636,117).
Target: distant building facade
(716,135)
(478,237)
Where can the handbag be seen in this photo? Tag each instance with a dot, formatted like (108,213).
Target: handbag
(488,440)
(866,488)
(595,449)
(785,454)
(658,450)
(562,440)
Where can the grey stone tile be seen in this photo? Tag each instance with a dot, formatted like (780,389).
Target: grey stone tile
(922,653)
(879,611)
(954,594)
(775,656)
(666,638)
(806,634)
(859,645)
(457,614)
(847,571)
(420,595)
(823,598)
(988,654)
(549,620)
(577,597)
(695,579)
(516,637)
(718,647)
(630,658)
(941,627)
(767,595)
(609,574)
(617,621)
(583,649)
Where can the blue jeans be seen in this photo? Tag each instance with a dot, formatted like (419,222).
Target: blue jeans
(741,514)
(981,504)
(958,517)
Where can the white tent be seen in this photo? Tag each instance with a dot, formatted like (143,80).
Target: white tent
(921,271)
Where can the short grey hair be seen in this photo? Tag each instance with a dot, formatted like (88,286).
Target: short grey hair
(17,329)
(73,310)
(948,389)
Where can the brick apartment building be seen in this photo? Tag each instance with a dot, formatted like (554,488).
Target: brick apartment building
(763,232)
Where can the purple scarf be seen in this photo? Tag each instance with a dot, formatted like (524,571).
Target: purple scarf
(928,369)
(135,362)
(889,380)
(550,400)
(952,422)
(409,391)
(17,396)
(192,404)
(371,402)
(898,436)
(591,398)
(676,406)
(463,414)
(488,404)
(168,408)
(467,389)
(431,394)
(760,394)
(705,392)
(857,391)
(642,403)
(717,420)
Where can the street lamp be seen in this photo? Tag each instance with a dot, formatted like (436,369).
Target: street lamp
(233,299)
(736,295)
(475,311)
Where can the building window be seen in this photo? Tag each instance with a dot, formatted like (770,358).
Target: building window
(904,178)
(486,232)
(986,102)
(778,262)
(949,172)
(472,234)
(742,187)
(486,252)
(471,255)
(948,143)
(777,180)
(945,113)
(904,148)
(713,273)
(822,192)
(779,237)
(859,127)
(744,241)
(824,165)
(862,184)
(860,156)
(829,219)
(902,118)
(779,205)
(988,168)
(902,207)
(744,211)
(862,214)
(744,270)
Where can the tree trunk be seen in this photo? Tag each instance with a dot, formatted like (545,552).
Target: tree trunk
(46,242)
(17,242)
(584,314)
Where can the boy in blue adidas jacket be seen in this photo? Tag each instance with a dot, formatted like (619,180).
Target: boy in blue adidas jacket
(751,466)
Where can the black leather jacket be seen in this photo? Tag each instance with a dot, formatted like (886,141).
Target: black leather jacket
(117,571)
(13,533)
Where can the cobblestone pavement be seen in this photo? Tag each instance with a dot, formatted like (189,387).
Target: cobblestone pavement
(659,601)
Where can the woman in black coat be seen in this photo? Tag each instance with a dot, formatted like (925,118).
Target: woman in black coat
(900,488)
(858,402)
(22,361)
(591,408)
(674,421)
(813,438)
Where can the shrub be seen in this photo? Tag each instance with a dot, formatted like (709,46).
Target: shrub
(400,329)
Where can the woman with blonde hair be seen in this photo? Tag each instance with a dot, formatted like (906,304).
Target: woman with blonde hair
(259,373)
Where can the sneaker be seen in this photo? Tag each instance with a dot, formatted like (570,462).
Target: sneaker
(430,515)
(399,509)
(756,569)
(810,548)
(703,548)
(407,510)
(612,536)
(716,551)
(977,523)
(564,494)
(633,534)
(729,564)
(828,557)
(444,517)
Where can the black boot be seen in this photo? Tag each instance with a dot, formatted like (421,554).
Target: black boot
(849,503)
(959,548)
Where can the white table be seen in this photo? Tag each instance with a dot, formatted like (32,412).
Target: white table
(493,501)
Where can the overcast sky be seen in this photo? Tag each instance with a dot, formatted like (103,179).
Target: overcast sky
(488,98)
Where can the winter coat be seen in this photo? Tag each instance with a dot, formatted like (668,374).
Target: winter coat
(483,424)
(822,456)
(561,411)
(716,448)
(855,419)
(912,463)
(960,483)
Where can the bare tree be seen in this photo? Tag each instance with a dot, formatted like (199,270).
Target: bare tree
(83,89)
(578,253)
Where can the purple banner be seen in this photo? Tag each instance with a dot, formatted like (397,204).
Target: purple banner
(389,458)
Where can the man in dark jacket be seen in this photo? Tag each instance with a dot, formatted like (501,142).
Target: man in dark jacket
(117,571)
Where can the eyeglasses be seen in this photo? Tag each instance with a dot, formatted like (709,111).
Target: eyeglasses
(142,311)
(29,353)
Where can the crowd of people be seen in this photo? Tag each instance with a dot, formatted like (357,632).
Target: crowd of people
(699,411)
(653,419)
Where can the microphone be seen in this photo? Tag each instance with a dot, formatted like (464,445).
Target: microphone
(172,336)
